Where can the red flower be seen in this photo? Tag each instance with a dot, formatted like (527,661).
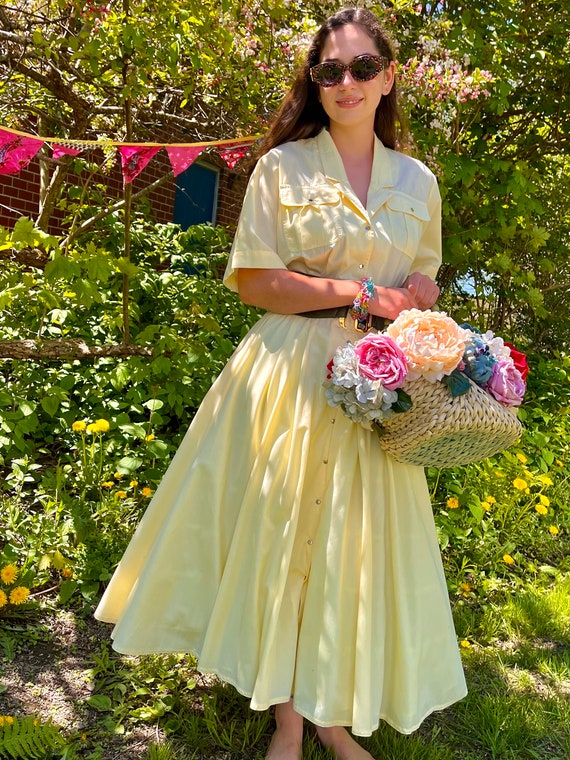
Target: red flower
(519,360)
(330,368)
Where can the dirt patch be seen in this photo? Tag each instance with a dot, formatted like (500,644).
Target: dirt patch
(48,675)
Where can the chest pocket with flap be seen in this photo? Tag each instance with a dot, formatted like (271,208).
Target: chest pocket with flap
(310,216)
(404,218)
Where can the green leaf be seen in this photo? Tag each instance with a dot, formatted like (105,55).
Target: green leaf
(404,402)
(66,590)
(457,383)
(154,404)
(100,702)
(124,266)
(127,465)
(50,404)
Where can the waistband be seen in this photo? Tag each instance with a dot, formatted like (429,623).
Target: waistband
(344,313)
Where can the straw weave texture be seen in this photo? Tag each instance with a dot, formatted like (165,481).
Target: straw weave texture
(441,430)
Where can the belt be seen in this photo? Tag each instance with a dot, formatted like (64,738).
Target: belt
(344,316)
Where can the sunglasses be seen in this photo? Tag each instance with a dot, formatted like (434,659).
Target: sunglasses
(362,69)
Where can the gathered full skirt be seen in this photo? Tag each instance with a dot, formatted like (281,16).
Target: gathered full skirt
(289,553)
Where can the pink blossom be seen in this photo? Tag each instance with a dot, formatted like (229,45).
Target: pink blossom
(380,358)
(506,383)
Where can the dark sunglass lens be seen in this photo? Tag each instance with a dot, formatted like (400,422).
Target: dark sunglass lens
(329,74)
(365,69)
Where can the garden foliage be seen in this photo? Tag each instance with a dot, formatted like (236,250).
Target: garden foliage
(84,442)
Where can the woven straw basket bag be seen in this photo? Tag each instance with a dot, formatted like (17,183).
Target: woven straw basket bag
(442,430)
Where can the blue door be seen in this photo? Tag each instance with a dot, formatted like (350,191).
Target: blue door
(196,195)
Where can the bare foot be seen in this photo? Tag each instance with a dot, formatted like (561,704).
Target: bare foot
(342,744)
(287,741)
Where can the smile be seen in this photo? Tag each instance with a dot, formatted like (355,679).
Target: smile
(349,101)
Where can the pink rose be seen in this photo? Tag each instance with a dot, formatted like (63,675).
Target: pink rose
(380,358)
(506,383)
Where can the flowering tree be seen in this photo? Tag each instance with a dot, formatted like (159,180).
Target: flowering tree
(485,98)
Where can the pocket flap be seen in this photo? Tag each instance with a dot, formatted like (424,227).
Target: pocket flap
(407,205)
(308,195)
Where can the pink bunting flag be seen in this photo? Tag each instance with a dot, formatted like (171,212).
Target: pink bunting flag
(181,158)
(134,158)
(232,155)
(63,150)
(16,151)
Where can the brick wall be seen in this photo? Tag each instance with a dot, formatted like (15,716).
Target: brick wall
(19,193)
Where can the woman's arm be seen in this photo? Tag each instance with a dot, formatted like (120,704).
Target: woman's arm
(284,292)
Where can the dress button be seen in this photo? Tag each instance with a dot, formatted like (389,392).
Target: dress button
(367,228)
(332,422)
(325,461)
(361,266)
(310,542)
(318,501)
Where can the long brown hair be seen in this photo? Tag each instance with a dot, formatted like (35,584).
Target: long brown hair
(301,113)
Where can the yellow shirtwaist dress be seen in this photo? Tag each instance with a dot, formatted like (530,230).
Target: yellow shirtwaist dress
(283,547)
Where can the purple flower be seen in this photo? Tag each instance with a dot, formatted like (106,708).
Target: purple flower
(380,358)
(506,383)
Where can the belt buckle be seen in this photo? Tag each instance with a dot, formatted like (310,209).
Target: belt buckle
(360,324)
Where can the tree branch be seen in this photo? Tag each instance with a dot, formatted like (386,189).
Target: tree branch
(47,350)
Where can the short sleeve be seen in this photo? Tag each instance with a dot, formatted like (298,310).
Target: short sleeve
(428,256)
(255,242)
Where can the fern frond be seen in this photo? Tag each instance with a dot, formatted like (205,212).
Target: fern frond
(28,738)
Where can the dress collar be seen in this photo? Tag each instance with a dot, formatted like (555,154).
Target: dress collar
(333,168)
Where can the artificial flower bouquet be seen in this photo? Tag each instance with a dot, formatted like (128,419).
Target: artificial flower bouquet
(437,393)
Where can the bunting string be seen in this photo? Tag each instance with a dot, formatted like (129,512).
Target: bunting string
(17,149)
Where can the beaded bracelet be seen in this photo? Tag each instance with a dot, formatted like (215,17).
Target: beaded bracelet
(359,308)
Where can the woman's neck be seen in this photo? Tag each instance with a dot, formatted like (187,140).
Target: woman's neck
(355,145)
(357,154)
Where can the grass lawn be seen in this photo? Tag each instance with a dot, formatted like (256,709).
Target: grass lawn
(89,702)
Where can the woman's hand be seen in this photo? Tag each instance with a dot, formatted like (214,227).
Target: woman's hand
(389,302)
(423,289)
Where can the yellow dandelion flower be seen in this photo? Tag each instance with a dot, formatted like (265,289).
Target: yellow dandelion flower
(486,505)
(541,509)
(92,428)
(149,437)
(122,494)
(560,463)
(19,595)
(146,491)
(134,483)
(544,500)
(545,480)
(522,458)
(9,573)
(6,720)
(491,499)
(465,589)
(465,644)
(553,529)
(508,560)
(520,484)
(118,475)
(79,426)
(3,598)
(102,426)
(107,483)
(452,502)
(83,736)
(528,475)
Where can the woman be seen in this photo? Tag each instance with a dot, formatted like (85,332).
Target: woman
(283,548)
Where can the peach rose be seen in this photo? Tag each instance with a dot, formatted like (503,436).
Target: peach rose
(432,342)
